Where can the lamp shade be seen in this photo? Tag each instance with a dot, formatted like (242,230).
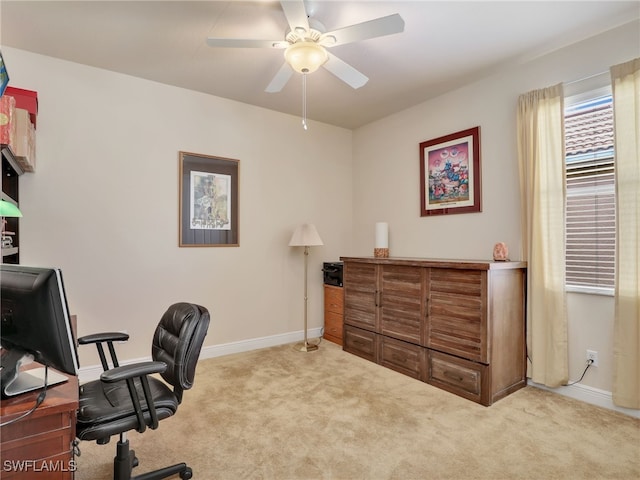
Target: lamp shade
(8,209)
(305,235)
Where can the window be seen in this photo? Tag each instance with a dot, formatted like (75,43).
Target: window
(590,215)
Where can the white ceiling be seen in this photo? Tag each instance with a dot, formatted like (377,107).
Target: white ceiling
(444,45)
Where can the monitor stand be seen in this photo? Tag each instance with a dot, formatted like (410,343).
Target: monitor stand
(15,381)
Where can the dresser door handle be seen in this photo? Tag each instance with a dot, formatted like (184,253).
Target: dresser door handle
(378,298)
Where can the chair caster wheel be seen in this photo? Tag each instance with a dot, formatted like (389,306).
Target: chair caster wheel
(187,474)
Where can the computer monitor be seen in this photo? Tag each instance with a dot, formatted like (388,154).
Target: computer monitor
(35,324)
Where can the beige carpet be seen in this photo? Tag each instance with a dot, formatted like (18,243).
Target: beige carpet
(283,415)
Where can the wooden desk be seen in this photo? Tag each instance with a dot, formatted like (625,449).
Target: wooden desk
(40,446)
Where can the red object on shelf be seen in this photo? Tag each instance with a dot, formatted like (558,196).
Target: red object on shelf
(26,99)
(7,120)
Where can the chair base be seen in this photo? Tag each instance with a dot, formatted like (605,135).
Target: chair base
(125,461)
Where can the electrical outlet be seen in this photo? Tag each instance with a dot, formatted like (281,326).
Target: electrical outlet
(592,355)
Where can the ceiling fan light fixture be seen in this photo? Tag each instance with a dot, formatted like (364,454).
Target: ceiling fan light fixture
(305,57)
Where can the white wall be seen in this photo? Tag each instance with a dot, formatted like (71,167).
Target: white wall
(103,203)
(386,178)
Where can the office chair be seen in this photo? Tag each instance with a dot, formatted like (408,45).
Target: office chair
(127,398)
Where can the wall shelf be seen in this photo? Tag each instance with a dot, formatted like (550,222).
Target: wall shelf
(11,171)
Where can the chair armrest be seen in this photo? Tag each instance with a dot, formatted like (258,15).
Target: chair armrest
(103,337)
(128,373)
(106,337)
(132,371)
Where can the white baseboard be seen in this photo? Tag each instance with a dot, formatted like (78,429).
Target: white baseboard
(93,372)
(584,393)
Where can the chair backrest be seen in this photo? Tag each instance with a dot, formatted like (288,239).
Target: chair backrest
(177,342)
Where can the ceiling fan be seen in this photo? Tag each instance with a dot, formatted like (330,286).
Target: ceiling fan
(306,42)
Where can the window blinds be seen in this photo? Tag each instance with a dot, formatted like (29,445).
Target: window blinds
(590,213)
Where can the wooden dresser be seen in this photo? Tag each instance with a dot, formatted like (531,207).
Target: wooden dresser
(457,325)
(333,313)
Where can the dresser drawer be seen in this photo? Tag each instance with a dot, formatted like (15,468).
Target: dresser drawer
(402,357)
(361,342)
(333,327)
(333,299)
(31,427)
(456,375)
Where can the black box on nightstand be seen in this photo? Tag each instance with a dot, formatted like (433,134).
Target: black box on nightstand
(332,273)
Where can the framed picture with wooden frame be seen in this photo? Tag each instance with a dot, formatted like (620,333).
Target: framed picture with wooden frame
(450,174)
(209,210)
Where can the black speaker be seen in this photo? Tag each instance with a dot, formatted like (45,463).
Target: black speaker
(332,273)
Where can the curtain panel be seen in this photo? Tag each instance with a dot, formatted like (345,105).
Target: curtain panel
(625,81)
(540,126)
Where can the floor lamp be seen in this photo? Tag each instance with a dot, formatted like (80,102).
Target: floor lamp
(305,236)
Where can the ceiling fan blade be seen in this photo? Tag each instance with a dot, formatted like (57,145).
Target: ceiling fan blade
(296,14)
(345,72)
(378,27)
(245,43)
(280,80)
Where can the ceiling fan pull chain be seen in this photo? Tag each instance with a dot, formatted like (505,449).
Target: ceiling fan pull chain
(304,101)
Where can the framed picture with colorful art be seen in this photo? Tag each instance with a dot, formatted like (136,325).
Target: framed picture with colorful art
(208,201)
(450,174)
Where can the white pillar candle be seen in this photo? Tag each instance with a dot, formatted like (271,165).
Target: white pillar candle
(382,235)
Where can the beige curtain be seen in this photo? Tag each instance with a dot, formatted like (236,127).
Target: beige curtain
(540,124)
(625,80)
